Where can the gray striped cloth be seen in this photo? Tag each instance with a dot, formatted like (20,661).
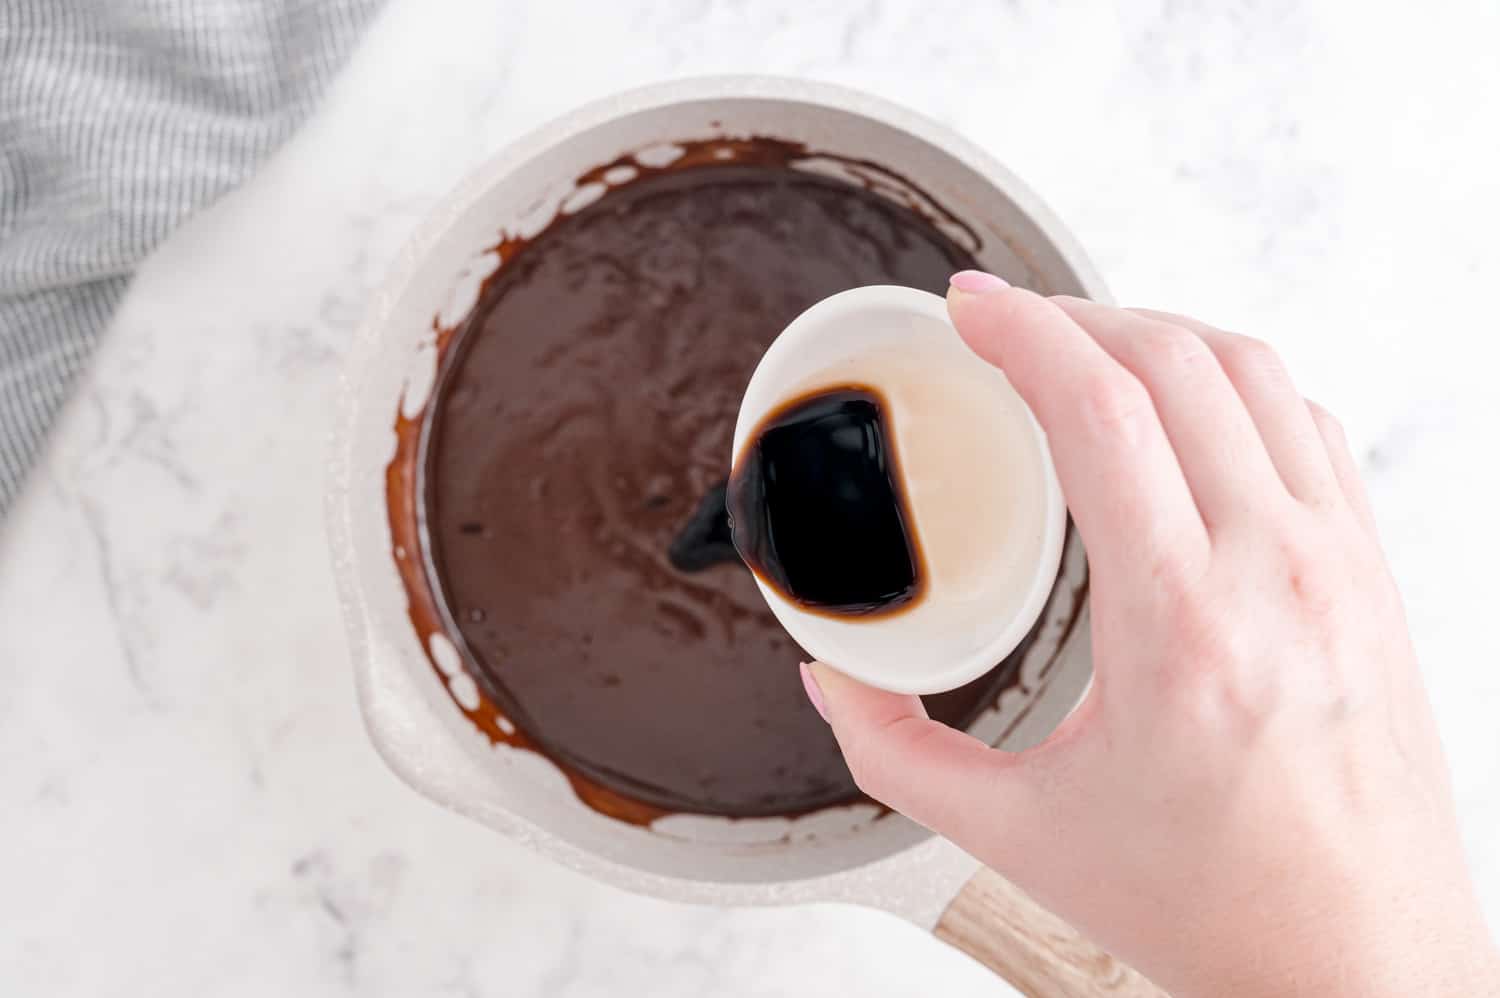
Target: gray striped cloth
(118,119)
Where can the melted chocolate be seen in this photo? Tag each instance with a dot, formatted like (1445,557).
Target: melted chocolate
(571,469)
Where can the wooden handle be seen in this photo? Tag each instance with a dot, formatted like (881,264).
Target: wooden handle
(1031,948)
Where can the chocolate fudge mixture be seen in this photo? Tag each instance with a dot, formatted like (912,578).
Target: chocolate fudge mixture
(574,469)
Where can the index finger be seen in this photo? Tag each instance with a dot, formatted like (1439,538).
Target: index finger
(1122,481)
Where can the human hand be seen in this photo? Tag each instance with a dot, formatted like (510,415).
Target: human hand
(1252,798)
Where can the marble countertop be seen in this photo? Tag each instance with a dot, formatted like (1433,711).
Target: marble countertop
(189,802)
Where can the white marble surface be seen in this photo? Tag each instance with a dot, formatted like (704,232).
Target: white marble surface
(188,804)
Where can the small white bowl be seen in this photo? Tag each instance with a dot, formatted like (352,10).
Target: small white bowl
(977,474)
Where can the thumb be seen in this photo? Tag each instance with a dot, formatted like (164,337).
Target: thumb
(938,776)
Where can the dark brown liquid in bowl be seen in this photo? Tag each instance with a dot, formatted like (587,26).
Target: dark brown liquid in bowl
(817,506)
(585,412)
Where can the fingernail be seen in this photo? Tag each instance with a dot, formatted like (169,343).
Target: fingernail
(977,282)
(814,694)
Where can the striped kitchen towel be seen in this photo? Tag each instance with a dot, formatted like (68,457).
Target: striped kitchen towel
(118,119)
